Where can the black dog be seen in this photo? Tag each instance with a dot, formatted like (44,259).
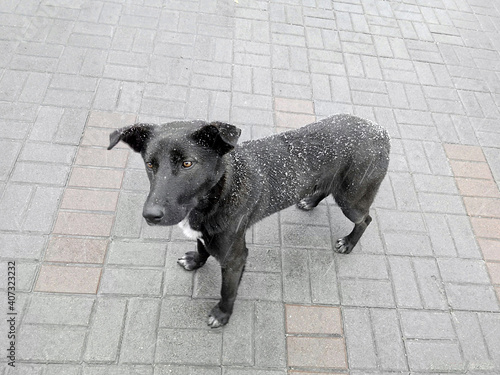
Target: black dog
(216,189)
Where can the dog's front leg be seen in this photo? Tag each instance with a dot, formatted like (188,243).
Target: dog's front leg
(232,269)
(194,259)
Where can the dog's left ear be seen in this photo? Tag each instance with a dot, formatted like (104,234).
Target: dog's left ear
(135,136)
(219,136)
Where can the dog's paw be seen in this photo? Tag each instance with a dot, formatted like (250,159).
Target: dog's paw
(217,318)
(343,246)
(305,205)
(190,261)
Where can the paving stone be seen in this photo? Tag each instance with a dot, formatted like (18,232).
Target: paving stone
(90,200)
(464,152)
(64,310)
(463,234)
(96,178)
(489,325)
(440,235)
(47,152)
(137,253)
(463,271)
(41,212)
(302,319)
(38,173)
(408,244)
(431,286)
(66,279)
(101,157)
(129,215)
(317,352)
(359,340)
(427,325)
(129,281)
(186,370)
(206,344)
(391,352)
(103,340)
(62,370)
(485,227)
(305,236)
(361,266)
(477,188)
(51,343)
(237,340)
(21,246)
(470,169)
(371,293)
(472,297)
(405,283)
(11,150)
(76,250)
(269,341)
(434,356)
(323,278)
(295,276)
(139,337)
(471,340)
(85,224)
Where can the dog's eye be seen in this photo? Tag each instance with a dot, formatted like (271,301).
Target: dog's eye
(149,165)
(187,164)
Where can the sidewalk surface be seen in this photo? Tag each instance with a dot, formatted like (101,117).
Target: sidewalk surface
(99,292)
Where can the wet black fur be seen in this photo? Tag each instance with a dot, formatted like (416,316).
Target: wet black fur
(230,186)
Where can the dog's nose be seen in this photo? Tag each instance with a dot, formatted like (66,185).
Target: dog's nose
(153,214)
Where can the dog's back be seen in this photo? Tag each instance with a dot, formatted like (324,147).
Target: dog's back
(326,156)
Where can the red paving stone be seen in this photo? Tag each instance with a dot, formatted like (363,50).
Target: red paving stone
(316,352)
(482,202)
(294,105)
(490,249)
(84,224)
(76,250)
(313,319)
(470,169)
(91,200)
(67,279)
(110,120)
(101,157)
(464,152)
(477,188)
(484,207)
(293,120)
(96,178)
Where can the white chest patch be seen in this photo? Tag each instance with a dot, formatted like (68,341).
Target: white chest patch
(188,231)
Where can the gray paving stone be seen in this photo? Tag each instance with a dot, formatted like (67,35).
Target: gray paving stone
(361,266)
(471,338)
(404,192)
(434,356)
(405,284)
(269,339)
(117,370)
(139,337)
(463,271)
(323,278)
(463,236)
(472,297)
(370,293)
(440,235)
(39,173)
(47,152)
(13,205)
(105,330)
(62,370)
(260,286)
(130,281)
(137,253)
(129,215)
(10,151)
(63,310)
(22,246)
(400,221)
(413,244)
(51,343)
(489,325)
(186,370)
(427,325)
(305,236)
(391,352)
(360,342)
(431,286)
(296,276)
(205,350)
(41,213)
(237,341)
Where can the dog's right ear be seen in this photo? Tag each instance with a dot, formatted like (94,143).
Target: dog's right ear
(135,136)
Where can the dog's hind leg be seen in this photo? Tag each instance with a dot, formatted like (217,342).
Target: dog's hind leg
(308,203)
(194,259)
(346,244)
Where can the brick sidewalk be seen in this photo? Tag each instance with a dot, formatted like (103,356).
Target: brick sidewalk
(99,291)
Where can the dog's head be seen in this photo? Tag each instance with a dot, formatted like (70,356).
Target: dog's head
(183,161)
